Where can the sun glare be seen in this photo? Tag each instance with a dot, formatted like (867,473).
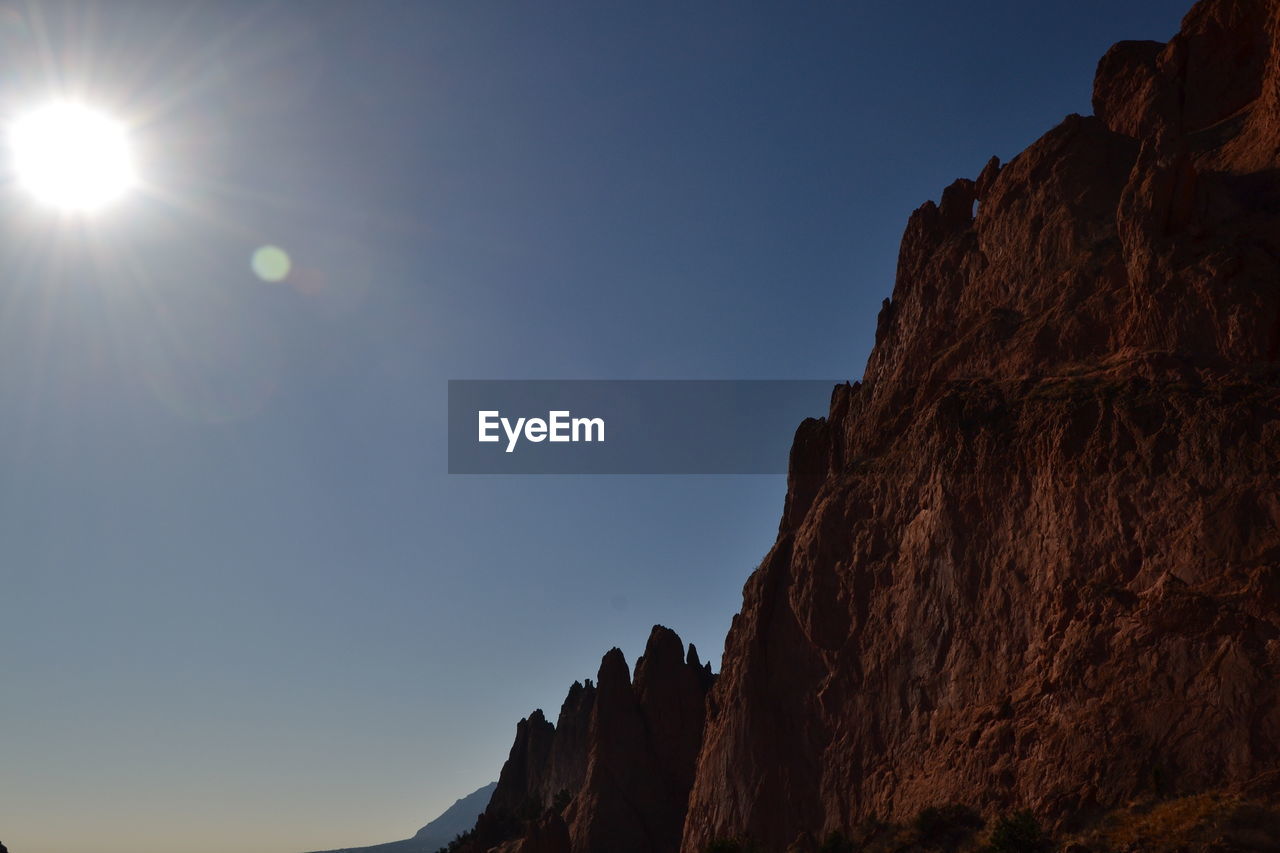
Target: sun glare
(71,157)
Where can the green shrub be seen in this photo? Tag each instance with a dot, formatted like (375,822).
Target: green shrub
(836,842)
(725,845)
(946,826)
(458,841)
(1019,832)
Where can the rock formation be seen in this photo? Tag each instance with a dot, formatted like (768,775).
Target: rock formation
(613,774)
(1032,560)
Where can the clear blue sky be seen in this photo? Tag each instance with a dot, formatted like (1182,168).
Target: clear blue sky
(243,606)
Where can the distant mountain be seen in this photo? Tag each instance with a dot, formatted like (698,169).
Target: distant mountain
(456,819)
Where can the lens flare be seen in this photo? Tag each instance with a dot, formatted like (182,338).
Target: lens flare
(271,263)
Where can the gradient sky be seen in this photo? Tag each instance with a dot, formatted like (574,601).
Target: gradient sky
(243,607)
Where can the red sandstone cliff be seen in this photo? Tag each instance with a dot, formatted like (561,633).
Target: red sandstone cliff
(1033,559)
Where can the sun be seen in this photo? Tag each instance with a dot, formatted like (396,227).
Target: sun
(71,157)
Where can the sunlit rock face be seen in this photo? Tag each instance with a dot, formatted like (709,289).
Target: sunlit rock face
(1033,559)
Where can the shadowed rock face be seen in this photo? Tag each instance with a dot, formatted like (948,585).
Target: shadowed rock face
(524,776)
(1033,559)
(613,775)
(645,738)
